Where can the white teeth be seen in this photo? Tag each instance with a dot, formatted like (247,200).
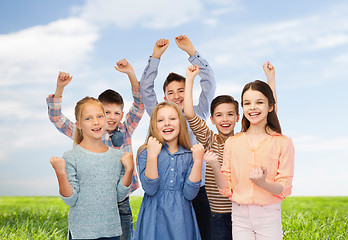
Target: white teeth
(253,114)
(168,130)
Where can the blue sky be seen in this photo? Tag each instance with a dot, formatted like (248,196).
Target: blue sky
(306,42)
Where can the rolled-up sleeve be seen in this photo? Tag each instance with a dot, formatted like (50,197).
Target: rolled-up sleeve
(150,186)
(71,174)
(226,170)
(122,191)
(190,189)
(285,171)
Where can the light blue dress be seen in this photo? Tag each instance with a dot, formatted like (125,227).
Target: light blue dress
(166,211)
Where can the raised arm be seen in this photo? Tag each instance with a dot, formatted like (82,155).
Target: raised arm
(136,111)
(147,88)
(62,81)
(207,81)
(191,73)
(124,66)
(54,103)
(269,70)
(185,44)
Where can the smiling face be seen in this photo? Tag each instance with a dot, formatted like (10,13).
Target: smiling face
(225,118)
(114,115)
(168,124)
(92,122)
(255,107)
(175,92)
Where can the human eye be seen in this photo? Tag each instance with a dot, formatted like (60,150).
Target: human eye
(87,118)
(107,112)
(101,116)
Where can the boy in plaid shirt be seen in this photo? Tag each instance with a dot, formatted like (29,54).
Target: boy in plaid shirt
(118,134)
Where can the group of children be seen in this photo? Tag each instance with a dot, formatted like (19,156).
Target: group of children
(236,190)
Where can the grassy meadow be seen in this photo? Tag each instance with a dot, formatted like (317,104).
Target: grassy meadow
(46,217)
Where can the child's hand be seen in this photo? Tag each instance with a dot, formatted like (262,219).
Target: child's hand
(124,66)
(258,175)
(127,161)
(197,153)
(63,79)
(153,147)
(269,70)
(185,44)
(58,164)
(212,159)
(160,47)
(192,71)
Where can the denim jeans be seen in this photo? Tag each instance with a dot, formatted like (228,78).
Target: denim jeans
(202,209)
(126,219)
(221,226)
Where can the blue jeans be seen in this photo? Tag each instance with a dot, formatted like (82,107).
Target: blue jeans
(202,210)
(126,219)
(221,226)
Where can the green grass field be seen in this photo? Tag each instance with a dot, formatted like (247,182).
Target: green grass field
(46,217)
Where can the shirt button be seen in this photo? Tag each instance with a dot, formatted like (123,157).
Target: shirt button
(171,181)
(172,158)
(253,165)
(172,169)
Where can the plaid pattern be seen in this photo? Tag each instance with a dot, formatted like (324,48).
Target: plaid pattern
(65,126)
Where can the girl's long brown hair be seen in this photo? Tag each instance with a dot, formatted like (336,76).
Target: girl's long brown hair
(272,118)
(78,137)
(183,138)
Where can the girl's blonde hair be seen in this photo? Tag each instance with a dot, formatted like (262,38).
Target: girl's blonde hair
(183,138)
(78,137)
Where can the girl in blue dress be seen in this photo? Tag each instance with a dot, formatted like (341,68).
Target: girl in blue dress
(170,175)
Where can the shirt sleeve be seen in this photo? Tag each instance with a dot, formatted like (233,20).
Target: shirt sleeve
(200,130)
(285,171)
(59,120)
(133,118)
(226,170)
(147,87)
(71,172)
(122,191)
(150,186)
(208,85)
(190,189)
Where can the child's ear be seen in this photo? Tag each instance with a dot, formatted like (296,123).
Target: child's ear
(237,118)
(270,109)
(212,120)
(165,99)
(77,125)
(122,115)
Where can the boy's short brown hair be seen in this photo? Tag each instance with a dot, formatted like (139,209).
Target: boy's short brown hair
(223,99)
(111,96)
(171,78)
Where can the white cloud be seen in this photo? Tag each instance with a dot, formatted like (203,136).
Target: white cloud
(36,52)
(151,14)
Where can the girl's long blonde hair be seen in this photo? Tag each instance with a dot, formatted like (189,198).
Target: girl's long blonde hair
(78,137)
(184,136)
